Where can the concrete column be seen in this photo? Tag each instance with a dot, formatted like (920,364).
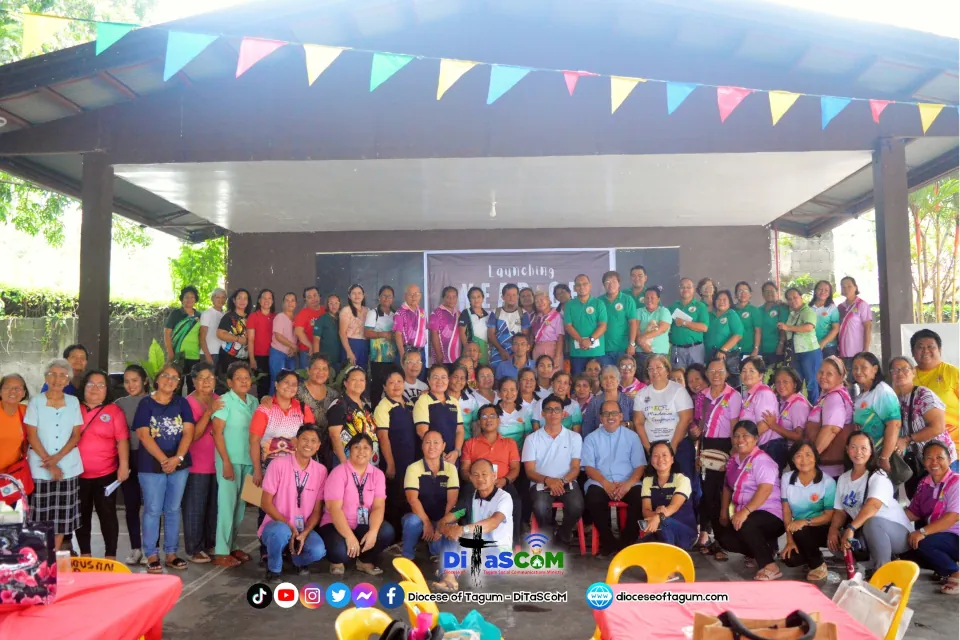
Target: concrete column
(93,326)
(893,242)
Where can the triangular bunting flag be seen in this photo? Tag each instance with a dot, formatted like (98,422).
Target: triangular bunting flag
(385,65)
(780,103)
(38,30)
(571,77)
(182,48)
(620,88)
(830,107)
(253,50)
(677,92)
(109,32)
(877,107)
(319,58)
(729,98)
(928,113)
(450,72)
(502,79)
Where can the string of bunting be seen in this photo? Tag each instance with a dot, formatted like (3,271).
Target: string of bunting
(182,47)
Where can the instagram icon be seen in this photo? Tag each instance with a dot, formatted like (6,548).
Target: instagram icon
(311,595)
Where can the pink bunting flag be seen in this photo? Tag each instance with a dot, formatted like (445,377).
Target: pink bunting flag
(729,98)
(571,78)
(253,50)
(877,107)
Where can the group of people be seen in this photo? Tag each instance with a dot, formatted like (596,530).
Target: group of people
(717,425)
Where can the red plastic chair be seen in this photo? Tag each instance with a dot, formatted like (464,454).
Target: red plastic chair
(621,520)
(534,528)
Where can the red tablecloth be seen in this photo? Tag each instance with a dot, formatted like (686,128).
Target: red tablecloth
(776,599)
(99,606)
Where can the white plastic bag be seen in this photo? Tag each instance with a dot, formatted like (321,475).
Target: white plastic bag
(874,608)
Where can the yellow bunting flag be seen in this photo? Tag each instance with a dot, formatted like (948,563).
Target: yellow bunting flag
(780,103)
(450,72)
(620,88)
(39,30)
(928,113)
(319,58)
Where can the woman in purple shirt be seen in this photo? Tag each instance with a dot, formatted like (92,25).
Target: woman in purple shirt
(856,320)
(752,486)
(936,544)
(715,409)
(760,406)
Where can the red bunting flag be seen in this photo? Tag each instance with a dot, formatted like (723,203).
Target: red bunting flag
(571,78)
(877,107)
(253,50)
(729,98)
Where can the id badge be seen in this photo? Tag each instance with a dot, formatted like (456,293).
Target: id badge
(495,472)
(300,523)
(363,516)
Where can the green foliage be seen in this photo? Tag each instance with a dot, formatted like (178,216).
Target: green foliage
(155,360)
(805,283)
(42,303)
(203,265)
(29,208)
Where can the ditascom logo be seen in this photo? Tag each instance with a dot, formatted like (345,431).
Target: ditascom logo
(536,560)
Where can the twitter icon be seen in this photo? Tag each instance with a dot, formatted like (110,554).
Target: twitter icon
(338,595)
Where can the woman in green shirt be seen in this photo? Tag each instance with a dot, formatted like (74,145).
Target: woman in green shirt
(653,327)
(724,333)
(181,332)
(772,313)
(807,356)
(326,335)
(750,316)
(828,318)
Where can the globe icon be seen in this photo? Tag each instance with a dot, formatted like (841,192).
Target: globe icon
(599,595)
(537,562)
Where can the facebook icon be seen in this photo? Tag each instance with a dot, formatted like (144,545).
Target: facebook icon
(391,595)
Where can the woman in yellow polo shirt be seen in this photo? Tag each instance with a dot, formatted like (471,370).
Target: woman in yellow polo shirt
(940,377)
(436,410)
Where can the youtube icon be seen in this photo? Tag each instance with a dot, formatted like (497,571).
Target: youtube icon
(286,595)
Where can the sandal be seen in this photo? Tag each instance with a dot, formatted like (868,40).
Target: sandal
(154,566)
(336,569)
(199,558)
(951,587)
(765,575)
(445,585)
(177,563)
(226,561)
(818,574)
(369,569)
(240,555)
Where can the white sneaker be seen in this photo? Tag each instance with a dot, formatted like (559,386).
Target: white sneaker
(136,557)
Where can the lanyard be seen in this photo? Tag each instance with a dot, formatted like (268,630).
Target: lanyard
(300,485)
(360,485)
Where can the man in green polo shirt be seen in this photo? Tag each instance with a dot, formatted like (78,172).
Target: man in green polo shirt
(686,335)
(638,284)
(621,335)
(585,320)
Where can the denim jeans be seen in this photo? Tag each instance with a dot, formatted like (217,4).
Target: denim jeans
(672,531)
(279,360)
(162,494)
(412,531)
(276,536)
(303,359)
(808,363)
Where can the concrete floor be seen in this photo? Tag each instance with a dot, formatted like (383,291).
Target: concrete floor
(213,604)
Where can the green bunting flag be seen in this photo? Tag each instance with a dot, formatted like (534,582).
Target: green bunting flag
(384,66)
(109,32)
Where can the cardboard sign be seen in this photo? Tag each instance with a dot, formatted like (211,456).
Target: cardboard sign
(251,493)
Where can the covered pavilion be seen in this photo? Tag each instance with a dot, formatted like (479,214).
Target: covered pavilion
(289,170)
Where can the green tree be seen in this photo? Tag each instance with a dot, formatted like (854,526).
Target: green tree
(935,223)
(203,265)
(29,208)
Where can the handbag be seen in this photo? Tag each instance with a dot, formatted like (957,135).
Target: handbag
(900,471)
(874,608)
(28,560)
(796,626)
(10,492)
(713,459)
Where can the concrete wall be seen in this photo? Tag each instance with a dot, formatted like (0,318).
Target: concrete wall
(287,261)
(27,344)
(815,256)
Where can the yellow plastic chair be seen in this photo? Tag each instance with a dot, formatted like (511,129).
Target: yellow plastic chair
(409,571)
(97,565)
(360,624)
(902,574)
(657,559)
(416,608)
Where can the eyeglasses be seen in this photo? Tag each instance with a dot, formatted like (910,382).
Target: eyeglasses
(206,378)
(900,370)
(488,416)
(56,376)
(96,385)
(609,414)
(627,365)
(169,376)
(551,410)
(14,390)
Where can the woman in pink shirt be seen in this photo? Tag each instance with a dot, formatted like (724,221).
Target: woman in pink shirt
(352,525)
(444,333)
(752,486)
(105,451)
(546,327)
(830,422)
(793,408)
(200,494)
(856,320)
(283,342)
(352,317)
(760,406)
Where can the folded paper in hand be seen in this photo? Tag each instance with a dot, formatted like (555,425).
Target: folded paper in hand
(680,314)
